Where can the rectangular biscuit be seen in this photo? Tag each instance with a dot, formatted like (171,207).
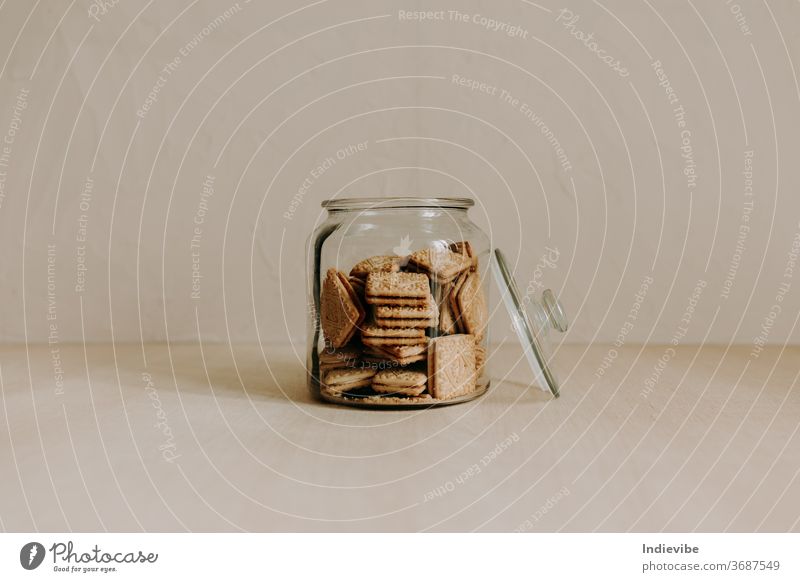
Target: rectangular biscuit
(393,286)
(399,312)
(370,330)
(392,341)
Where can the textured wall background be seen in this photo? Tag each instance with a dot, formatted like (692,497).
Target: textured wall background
(653,145)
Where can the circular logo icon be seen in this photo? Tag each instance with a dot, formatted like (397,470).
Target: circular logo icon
(31,555)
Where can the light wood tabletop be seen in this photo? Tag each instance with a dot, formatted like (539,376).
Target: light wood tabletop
(224,438)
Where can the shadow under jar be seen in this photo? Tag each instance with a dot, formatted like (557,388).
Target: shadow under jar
(399,290)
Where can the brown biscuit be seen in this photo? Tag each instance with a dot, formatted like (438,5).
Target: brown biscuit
(397,301)
(401,378)
(380,263)
(404,390)
(480,358)
(384,363)
(399,351)
(465,248)
(397,288)
(451,366)
(447,323)
(330,356)
(341,311)
(375,331)
(429,311)
(343,379)
(412,323)
(358,286)
(400,400)
(440,262)
(393,341)
(455,307)
(406,381)
(472,306)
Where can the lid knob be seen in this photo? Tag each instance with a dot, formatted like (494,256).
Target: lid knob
(554,311)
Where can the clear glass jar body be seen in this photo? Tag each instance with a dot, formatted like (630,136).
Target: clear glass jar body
(401,234)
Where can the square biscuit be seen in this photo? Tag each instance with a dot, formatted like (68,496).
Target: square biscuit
(440,263)
(379,264)
(451,366)
(341,311)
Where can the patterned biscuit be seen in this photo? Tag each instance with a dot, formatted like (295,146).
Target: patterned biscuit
(397,288)
(451,366)
(429,311)
(380,263)
(407,323)
(341,311)
(440,262)
(472,306)
(375,331)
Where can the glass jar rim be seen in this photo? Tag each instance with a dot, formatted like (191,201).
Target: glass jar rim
(396,202)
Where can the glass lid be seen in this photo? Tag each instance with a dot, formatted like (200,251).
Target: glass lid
(532,328)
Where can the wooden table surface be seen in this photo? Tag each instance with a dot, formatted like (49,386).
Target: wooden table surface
(220,438)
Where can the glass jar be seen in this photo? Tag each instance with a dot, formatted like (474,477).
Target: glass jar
(398,303)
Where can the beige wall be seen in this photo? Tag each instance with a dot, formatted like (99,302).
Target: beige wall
(252,96)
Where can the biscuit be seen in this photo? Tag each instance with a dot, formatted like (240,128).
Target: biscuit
(400,351)
(384,362)
(357,285)
(397,289)
(465,248)
(472,306)
(480,358)
(455,307)
(343,379)
(341,311)
(380,263)
(402,400)
(440,262)
(407,323)
(392,341)
(451,366)
(447,323)
(429,311)
(405,381)
(344,358)
(404,332)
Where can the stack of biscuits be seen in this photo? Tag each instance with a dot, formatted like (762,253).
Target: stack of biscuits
(404,329)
